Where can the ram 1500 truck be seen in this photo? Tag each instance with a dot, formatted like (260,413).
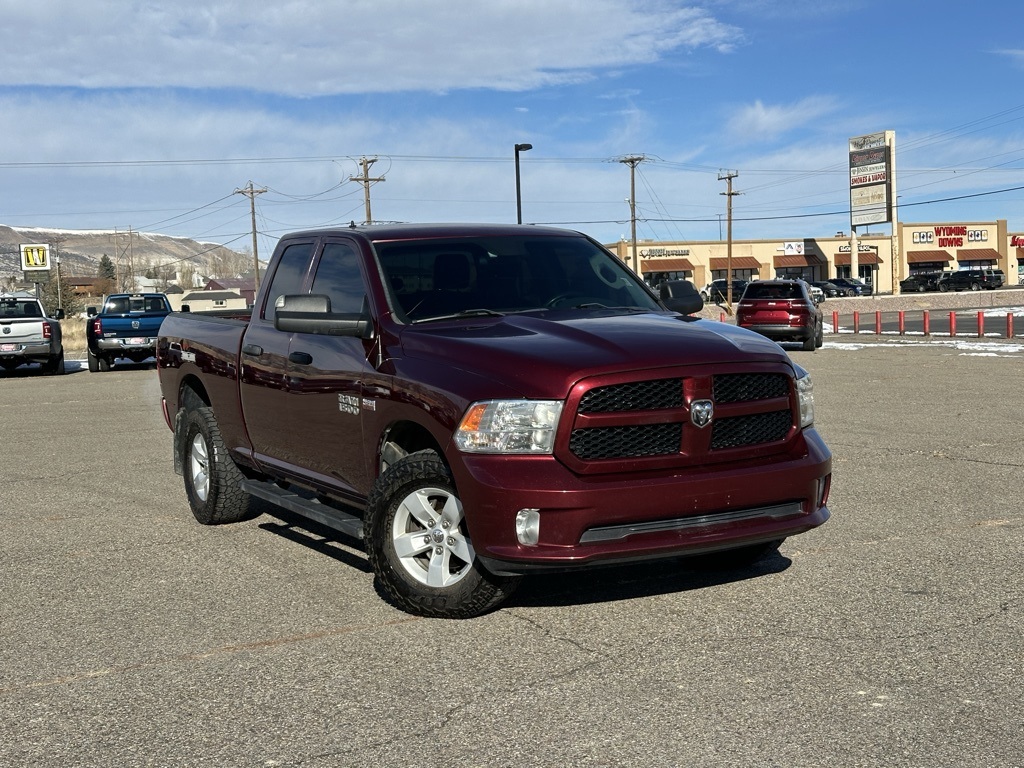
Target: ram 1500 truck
(27,335)
(479,402)
(125,326)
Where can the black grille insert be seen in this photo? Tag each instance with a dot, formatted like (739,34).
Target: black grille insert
(626,442)
(634,396)
(750,430)
(741,387)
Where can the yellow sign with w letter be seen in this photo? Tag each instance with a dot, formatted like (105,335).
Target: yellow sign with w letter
(35,257)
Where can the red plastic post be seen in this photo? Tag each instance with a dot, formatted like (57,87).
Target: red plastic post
(903,322)
(856,322)
(952,324)
(927,323)
(878,323)
(835,321)
(1009,325)
(981,325)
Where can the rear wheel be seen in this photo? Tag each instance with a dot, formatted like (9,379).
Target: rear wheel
(819,339)
(94,363)
(419,546)
(810,343)
(55,366)
(104,363)
(211,476)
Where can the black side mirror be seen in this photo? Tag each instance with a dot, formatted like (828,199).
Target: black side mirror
(185,308)
(90,311)
(681,296)
(59,314)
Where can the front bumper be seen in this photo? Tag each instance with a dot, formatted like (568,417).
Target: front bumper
(604,519)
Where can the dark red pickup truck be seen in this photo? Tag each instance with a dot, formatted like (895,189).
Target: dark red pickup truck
(480,402)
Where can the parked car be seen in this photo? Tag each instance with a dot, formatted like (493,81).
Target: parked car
(830,289)
(715,291)
(28,336)
(851,287)
(126,326)
(782,310)
(920,282)
(970,280)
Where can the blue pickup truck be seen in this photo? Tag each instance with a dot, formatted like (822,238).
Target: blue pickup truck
(126,326)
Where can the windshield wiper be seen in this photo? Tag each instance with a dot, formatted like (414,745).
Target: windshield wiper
(464,313)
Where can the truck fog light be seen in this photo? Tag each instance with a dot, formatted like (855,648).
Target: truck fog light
(824,486)
(528,527)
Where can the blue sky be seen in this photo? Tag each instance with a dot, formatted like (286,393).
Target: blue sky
(150,116)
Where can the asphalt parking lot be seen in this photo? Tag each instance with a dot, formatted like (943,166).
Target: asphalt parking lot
(891,636)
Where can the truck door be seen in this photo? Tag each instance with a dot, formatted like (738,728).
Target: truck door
(263,362)
(326,379)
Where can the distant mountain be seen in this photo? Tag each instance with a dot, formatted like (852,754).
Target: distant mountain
(80,252)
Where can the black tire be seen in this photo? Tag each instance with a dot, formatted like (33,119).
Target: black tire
(211,477)
(730,559)
(94,363)
(943,287)
(414,507)
(55,366)
(975,286)
(819,339)
(105,363)
(810,343)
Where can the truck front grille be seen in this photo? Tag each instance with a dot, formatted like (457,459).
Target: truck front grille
(650,418)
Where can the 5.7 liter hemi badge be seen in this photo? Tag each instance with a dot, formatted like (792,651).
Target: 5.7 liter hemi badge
(348,404)
(701,412)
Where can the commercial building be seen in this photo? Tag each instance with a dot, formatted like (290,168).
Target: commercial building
(882,260)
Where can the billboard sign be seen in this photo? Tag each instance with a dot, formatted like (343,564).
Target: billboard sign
(871,178)
(35,257)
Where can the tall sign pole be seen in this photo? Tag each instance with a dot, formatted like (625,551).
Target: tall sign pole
(872,188)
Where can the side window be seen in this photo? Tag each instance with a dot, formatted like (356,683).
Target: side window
(338,277)
(289,275)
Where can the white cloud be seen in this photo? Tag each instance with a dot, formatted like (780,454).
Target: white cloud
(309,47)
(758,121)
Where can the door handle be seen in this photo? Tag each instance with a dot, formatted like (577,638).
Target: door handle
(252,349)
(300,358)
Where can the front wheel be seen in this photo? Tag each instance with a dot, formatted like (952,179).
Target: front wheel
(211,477)
(419,546)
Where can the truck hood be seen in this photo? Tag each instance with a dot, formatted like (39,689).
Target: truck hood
(543,355)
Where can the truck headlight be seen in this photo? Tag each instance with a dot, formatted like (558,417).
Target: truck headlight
(509,426)
(805,397)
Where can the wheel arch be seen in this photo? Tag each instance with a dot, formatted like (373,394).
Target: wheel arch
(399,440)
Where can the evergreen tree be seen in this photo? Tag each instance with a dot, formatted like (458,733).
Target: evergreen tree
(106,268)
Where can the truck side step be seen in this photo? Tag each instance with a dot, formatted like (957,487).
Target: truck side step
(339,520)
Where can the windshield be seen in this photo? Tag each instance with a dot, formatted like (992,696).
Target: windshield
(496,275)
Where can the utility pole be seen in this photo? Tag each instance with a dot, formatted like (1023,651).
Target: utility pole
(727,177)
(633,162)
(251,193)
(365,180)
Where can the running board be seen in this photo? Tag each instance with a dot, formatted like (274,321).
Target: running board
(346,522)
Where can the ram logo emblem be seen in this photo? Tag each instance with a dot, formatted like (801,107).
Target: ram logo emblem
(701,412)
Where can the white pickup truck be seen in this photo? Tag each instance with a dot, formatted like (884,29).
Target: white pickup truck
(27,335)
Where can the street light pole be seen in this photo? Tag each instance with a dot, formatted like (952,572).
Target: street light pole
(519,199)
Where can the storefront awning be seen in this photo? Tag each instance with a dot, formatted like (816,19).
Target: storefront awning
(665,265)
(738,262)
(843,259)
(796,261)
(926,257)
(977,254)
